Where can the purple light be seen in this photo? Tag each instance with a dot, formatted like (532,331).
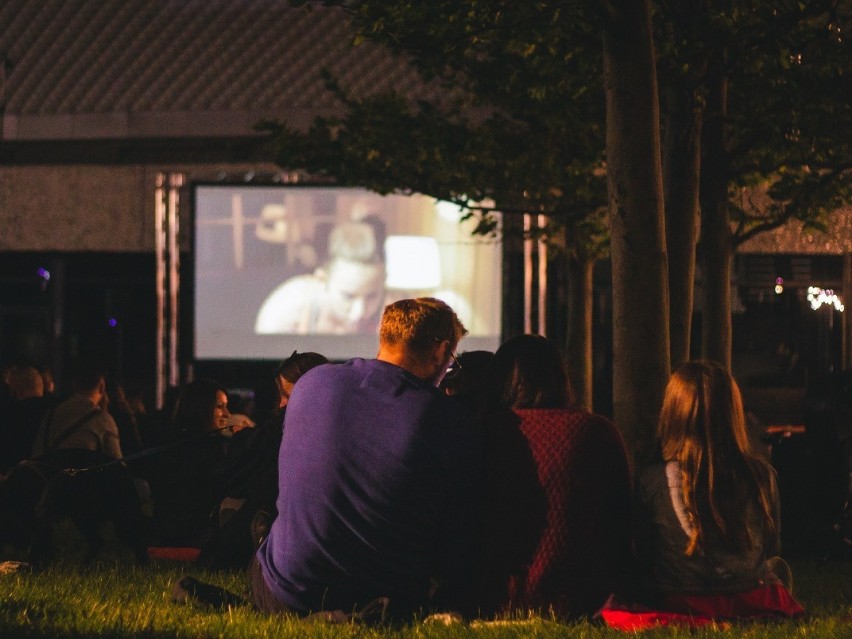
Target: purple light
(43,273)
(112,322)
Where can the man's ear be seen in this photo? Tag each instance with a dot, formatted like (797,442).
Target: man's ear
(441,352)
(102,391)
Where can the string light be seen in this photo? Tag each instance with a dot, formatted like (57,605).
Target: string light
(819,296)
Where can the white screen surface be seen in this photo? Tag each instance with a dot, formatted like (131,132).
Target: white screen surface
(267,271)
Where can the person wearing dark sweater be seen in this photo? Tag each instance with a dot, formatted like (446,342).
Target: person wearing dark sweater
(556,519)
(378,473)
(250,474)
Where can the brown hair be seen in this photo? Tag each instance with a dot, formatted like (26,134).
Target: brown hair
(528,371)
(702,426)
(298,364)
(193,412)
(25,381)
(418,323)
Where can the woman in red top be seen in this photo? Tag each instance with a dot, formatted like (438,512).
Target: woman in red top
(556,518)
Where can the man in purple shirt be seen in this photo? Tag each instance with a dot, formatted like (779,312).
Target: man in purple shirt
(378,473)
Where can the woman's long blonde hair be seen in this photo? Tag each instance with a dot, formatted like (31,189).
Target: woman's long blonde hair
(702,426)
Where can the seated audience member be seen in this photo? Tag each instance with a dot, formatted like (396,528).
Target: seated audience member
(556,528)
(81,421)
(125,419)
(378,471)
(185,478)
(250,473)
(23,415)
(707,514)
(465,378)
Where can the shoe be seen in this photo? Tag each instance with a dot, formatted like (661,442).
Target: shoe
(259,527)
(190,590)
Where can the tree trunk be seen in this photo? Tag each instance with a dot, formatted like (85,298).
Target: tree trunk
(513,278)
(681,171)
(716,237)
(579,342)
(637,225)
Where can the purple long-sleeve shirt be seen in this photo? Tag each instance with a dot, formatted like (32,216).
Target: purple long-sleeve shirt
(378,473)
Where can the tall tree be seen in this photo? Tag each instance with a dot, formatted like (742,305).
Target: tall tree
(637,225)
(682,57)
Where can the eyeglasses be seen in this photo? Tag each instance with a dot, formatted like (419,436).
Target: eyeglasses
(455,366)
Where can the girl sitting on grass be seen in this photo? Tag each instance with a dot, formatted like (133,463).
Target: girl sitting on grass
(707,520)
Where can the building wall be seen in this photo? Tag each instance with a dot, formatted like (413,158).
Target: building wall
(93,208)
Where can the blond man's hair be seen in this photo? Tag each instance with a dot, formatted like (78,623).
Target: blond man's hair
(416,324)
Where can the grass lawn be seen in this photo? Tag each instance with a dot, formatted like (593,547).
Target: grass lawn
(117,599)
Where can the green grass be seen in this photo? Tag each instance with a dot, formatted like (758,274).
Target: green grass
(117,599)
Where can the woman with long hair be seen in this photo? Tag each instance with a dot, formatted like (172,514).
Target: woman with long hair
(186,478)
(707,532)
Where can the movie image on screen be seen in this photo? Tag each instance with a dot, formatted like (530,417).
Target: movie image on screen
(283,268)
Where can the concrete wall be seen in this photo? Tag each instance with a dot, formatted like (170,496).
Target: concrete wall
(93,208)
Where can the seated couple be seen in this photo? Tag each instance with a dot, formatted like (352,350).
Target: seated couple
(395,499)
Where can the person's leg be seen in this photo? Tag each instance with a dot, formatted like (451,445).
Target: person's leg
(259,593)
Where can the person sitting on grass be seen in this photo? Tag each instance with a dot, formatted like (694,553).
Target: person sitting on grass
(556,529)
(185,478)
(250,471)
(707,514)
(378,480)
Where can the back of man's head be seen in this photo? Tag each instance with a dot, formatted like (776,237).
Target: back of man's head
(88,376)
(416,324)
(26,382)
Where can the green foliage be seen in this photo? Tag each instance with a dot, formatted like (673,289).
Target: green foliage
(514,116)
(790,119)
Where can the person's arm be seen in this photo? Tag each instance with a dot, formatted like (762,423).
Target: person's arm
(110,441)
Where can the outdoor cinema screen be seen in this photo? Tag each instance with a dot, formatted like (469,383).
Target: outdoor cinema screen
(307,268)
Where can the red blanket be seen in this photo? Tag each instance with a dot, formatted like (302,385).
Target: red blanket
(773,601)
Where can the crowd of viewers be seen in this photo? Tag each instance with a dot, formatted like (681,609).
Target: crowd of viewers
(423,481)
